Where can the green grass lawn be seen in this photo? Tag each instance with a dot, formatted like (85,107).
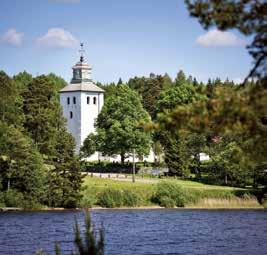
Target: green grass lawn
(145,188)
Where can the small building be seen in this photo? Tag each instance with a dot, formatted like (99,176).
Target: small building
(82,101)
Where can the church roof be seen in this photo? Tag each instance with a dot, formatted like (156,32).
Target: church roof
(83,86)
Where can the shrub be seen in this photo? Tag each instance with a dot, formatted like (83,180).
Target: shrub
(110,198)
(2,200)
(14,198)
(130,198)
(169,190)
(88,200)
(167,202)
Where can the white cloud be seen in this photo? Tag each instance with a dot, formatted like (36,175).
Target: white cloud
(217,38)
(57,38)
(12,36)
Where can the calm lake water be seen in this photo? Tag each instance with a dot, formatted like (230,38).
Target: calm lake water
(141,231)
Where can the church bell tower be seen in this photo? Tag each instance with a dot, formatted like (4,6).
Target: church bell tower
(81,101)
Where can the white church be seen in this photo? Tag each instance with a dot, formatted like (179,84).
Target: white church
(82,101)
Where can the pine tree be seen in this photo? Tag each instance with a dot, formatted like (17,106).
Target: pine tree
(23,169)
(180,78)
(10,101)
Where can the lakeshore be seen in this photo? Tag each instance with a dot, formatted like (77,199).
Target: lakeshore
(119,193)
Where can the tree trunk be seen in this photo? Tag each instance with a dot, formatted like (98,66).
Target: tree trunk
(122,158)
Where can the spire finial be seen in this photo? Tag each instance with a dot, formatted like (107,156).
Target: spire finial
(81,51)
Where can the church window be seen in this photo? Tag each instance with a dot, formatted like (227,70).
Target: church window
(94,100)
(74,100)
(68,100)
(88,100)
(71,115)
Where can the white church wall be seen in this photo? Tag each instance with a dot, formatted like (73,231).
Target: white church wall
(74,123)
(89,113)
(83,115)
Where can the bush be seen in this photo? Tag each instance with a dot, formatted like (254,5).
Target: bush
(13,198)
(110,198)
(130,198)
(88,200)
(2,200)
(167,202)
(167,191)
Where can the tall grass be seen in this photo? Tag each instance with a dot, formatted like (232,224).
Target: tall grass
(167,193)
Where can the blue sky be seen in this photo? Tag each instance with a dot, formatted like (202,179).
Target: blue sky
(122,38)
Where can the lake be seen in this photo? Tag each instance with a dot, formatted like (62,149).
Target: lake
(161,231)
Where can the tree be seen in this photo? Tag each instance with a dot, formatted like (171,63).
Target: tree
(120,82)
(119,125)
(10,101)
(42,112)
(167,81)
(194,145)
(90,146)
(22,79)
(228,162)
(248,16)
(180,78)
(21,165)
(174,144)
(46,126)
(235,112)
(65,178)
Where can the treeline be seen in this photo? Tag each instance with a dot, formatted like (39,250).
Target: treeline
(37,162)
(186,118)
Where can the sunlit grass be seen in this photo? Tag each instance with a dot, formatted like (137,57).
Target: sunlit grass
(197,194)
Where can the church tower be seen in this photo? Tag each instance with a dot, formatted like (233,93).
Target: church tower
(81,101)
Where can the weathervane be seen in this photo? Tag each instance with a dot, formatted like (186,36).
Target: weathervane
(81,51)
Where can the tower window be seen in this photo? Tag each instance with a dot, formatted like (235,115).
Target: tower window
(71,115)
(94,100)
(74,100)
(68,100)
(88,100)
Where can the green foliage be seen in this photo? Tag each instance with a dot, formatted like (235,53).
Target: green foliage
(174,145)
(181,78)
(22,165)
(229,162)
(42,113)
(169,194)
(130,198)
(10,101)
(36,152)
(23,79)
(110,198)
(233,112)
(149,89)
(13,198)
(89,146)
(119,125)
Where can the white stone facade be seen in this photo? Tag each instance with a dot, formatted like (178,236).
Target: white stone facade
(81,101)
(80,113)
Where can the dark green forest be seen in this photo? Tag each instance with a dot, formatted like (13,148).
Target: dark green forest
(178,118)
(37,162)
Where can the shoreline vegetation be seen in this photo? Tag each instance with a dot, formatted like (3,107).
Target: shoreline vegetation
(154,193)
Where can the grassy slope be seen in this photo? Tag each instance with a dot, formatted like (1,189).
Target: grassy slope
(208,196)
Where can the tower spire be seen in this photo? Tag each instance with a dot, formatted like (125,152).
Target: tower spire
(81,52)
